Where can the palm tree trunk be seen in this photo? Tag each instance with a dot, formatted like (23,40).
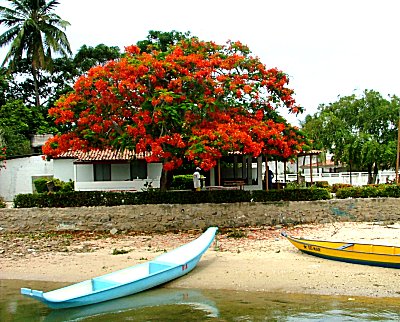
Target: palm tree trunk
(36,86)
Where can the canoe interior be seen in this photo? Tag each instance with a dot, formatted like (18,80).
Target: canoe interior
(108,281)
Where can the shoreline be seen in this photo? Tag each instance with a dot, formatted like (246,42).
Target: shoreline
(252,259)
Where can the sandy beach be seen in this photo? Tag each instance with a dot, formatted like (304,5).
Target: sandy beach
(246,259)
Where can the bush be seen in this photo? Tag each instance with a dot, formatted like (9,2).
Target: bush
(370,191)
(67,186)
(105,198)
(337,186)
(41,185)
(291,195)
(323,184)
(182,182)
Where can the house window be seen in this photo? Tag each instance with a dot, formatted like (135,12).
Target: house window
(138,169)
(102,172)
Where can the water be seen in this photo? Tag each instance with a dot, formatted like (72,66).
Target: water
(164,304)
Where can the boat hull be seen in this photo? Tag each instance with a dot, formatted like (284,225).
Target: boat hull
(355,253)
(161,270)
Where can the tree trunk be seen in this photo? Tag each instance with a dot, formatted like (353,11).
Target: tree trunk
(36,85)
(166,180)
(370,177)
(375,174)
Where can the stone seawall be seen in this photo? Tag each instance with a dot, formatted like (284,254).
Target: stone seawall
(161,218)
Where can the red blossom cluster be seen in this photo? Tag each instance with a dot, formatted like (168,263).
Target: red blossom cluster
(198,101)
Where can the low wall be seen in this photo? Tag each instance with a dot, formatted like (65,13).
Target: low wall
(161,218)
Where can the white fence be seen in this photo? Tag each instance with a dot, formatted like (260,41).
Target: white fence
(354,178)
(131,185)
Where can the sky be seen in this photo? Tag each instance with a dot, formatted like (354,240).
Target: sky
(327,47)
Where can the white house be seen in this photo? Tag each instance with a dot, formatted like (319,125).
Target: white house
(107,170)
(116,171)
(19,173)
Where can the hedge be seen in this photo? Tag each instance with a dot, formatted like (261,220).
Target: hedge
(370,191)
(103,198)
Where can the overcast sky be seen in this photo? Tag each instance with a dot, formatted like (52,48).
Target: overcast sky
(327,47)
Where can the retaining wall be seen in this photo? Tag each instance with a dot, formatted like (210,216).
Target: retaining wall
(161,218)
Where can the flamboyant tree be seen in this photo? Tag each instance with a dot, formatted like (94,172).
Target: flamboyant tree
(197,100)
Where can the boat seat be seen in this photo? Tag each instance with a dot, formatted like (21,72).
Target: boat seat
(345,246)
(100,283)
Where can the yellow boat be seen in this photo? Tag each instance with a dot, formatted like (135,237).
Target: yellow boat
(367,254)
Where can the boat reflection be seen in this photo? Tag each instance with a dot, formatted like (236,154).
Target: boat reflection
(150,298)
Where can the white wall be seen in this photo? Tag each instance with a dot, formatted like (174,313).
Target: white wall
(154,171)
(17,176)
(84,172)
(63,169)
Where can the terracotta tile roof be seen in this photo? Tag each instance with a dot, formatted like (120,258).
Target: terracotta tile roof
(102,155)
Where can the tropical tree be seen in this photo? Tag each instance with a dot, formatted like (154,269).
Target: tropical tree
(197,101)
(35,31)
(161,40)
(18,123)
(361,131)
(65,71)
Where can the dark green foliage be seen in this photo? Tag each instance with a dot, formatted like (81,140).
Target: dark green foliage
(337,186)
(41,185)
(360,130)
(182,182)
(159,40)
(322,184)
(50,184)
(67,186)
(370,191)
(291,195)
(102,198)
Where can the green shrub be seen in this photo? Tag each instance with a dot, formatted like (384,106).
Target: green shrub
(182,182)
(104,198)
(323,184)
(337,186)
(370,191)
(67,186)
(41,185)
(296,185)
(305,194)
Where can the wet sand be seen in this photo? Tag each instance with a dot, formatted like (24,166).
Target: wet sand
(246,259)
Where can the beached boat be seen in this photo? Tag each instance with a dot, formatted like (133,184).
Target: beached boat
(358,253)
(134,279)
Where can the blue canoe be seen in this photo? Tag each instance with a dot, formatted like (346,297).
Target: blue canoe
(131,280)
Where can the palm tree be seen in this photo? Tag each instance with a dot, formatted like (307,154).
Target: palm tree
(35,31)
